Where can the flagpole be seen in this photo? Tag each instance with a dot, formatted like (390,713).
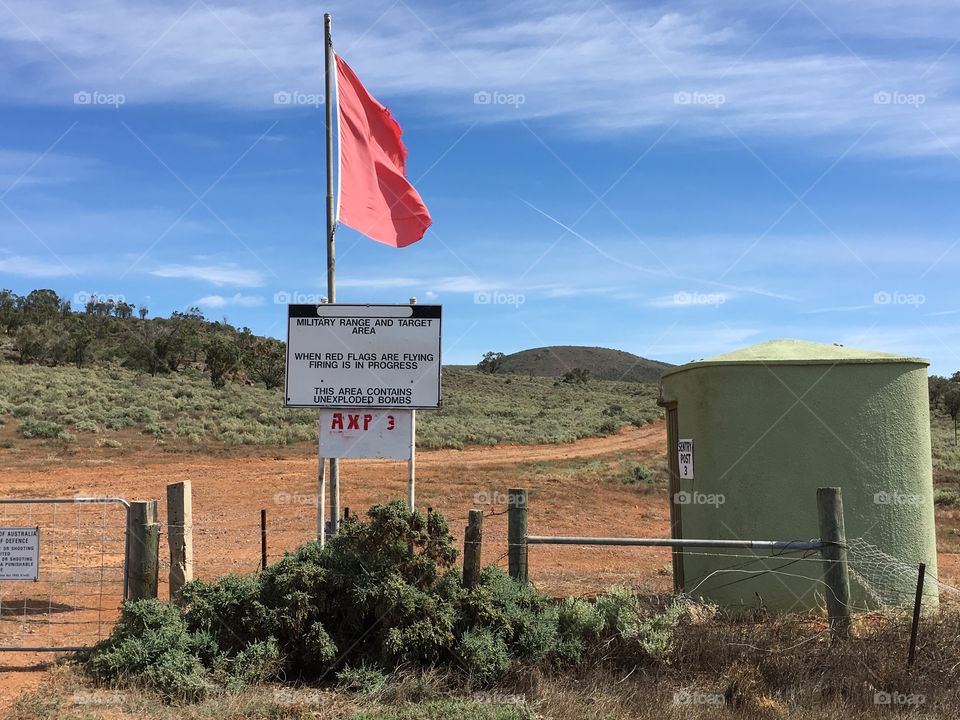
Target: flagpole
(331,261)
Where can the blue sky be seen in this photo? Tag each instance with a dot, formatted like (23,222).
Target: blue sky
(676,180)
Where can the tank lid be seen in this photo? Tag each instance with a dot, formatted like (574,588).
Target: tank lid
(797,352)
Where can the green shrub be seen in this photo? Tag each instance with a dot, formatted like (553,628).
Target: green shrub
(22,411)
(150,645)
(946,497)
(42,429)
(639,473)
(579,623)
(362,679)
(485,655)
(87,426)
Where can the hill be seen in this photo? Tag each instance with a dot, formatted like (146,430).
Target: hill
(603,363)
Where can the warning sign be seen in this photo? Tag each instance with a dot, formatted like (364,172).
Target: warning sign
(19,553)
(685,457)
(379,434)
(363,356)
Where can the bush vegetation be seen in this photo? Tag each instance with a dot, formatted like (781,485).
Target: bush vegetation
(380,614)
(479,409)
(382,595)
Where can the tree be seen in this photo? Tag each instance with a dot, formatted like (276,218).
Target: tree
(578,375)
(492,362)
(142,311)
(9,313)
(951,402)
(223,357)
(267,363)
(936,387)
(79,339)
(30,343)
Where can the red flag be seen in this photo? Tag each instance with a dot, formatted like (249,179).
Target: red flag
(375,197)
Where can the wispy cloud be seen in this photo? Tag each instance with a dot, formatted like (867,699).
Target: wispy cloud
(214,274)
(33,267)
(618,67)
(238,300)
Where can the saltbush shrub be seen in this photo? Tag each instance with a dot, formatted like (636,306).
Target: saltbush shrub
(383,594)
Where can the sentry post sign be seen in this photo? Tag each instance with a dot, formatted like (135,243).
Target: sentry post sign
(19,553)
(363,356)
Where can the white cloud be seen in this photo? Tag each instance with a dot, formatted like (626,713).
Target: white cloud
(34,267)
(238,300)
(388,282)
(603,68)
(215,274)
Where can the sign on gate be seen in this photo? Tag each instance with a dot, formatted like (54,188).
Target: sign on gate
(363,356)
(20,553)
(379,434)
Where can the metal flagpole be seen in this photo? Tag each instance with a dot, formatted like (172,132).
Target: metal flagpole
(412,462)
(331,262)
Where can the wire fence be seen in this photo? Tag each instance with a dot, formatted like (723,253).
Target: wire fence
(79,584)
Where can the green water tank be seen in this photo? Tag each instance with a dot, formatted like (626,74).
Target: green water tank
(752,434)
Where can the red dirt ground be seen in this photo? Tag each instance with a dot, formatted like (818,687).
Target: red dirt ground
(230,488)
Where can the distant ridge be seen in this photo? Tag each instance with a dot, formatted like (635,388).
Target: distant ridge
(603,363)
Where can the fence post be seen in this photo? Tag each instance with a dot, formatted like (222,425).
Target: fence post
(915,625)
(143,533)
(834,553)
(472,543)
(263,539)
(180,535)
(517,533)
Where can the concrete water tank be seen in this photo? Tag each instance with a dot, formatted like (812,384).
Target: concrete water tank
(771,423)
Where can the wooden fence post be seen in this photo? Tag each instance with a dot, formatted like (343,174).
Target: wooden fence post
(472,543)
(180,536)
(143,536)
(517,534)
(835,571)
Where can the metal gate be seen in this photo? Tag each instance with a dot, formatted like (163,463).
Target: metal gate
(80,579)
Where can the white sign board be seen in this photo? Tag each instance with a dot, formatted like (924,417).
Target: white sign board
(19,553)
(685,458)
(380,434)
(363,356)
